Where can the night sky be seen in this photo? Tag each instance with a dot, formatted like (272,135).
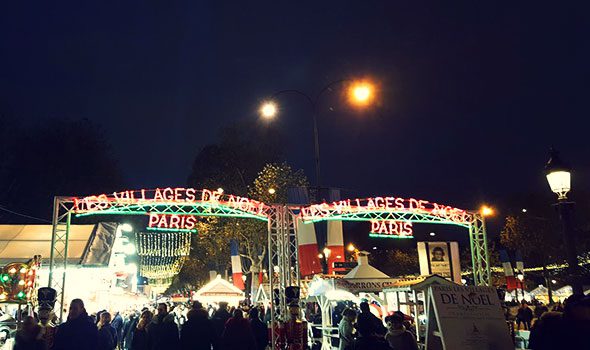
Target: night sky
(471,95)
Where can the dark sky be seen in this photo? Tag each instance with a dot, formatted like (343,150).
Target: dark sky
(471,96)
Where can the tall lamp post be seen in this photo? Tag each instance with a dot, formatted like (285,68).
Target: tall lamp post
(360,93)
(559,178)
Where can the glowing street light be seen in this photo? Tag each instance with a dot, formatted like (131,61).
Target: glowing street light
(351,247)
(269,110)
(271,191)
(327,252)
(486,211)
(361,93)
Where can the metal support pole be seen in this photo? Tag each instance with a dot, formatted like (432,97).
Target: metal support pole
(479,251)
(62,209)
(564,208)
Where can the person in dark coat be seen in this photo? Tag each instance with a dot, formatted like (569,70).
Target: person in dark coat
(163,331)
(524,315)
(198,332)
(128,330)
(140,339)
(29,336)
(368,340)
(107,334)
(219,318)
(79,331)
(369,321)
(237,334)
(259,329)
(398,337)
(117,323)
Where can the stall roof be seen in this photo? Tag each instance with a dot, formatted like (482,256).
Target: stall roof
(219,287)
(21,242)
(363,270)
(89,245)
(419,283)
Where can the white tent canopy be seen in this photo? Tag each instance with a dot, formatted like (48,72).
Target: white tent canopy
(363,269)
(21,242)
(219,290)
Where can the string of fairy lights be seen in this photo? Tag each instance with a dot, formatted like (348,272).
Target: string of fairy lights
(162,254)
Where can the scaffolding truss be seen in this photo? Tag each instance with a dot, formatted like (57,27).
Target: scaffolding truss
(58,259)
(388,215)
(184,208)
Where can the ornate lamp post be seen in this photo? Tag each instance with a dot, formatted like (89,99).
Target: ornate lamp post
(559,178)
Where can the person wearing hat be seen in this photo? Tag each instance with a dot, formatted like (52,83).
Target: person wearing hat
(293,333)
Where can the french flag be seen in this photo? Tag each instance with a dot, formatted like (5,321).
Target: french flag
(309,264)
(236,264)
(511,281)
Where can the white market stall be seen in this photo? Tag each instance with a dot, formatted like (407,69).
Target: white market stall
(363,281)
(219,290)
(406,294)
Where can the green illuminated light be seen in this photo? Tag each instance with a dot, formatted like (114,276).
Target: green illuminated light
(199,209)
(171,229)
(376,235)
(5,278)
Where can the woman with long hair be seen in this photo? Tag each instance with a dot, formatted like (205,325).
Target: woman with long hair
(140,336)
(107,334)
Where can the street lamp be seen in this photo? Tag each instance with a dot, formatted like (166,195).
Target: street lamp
(486,210)
(268,110)
(360,93)
(559,179)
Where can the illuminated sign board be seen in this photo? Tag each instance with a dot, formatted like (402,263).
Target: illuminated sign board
(169,196)
(383,204)
(391,229)
(172,222)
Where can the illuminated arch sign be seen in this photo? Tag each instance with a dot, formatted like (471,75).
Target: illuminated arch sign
(386,209)
(391,229)
(174,202)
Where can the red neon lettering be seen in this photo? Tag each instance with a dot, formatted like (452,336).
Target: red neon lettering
(190,194)
(178,194)
(391,227)
(206,195)
(379,202)
(153,220)
(374,226)
(163,223)
(389,201)
(190,222)
(158,195)
(168,194)
(174,221)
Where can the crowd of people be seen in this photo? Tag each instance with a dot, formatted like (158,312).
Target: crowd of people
(246,328)
(365,331)
(224,329)
(559,326)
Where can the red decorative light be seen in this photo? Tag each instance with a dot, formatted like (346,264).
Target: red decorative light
(384,204)
(392,228)
(177,196)
(172,221)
